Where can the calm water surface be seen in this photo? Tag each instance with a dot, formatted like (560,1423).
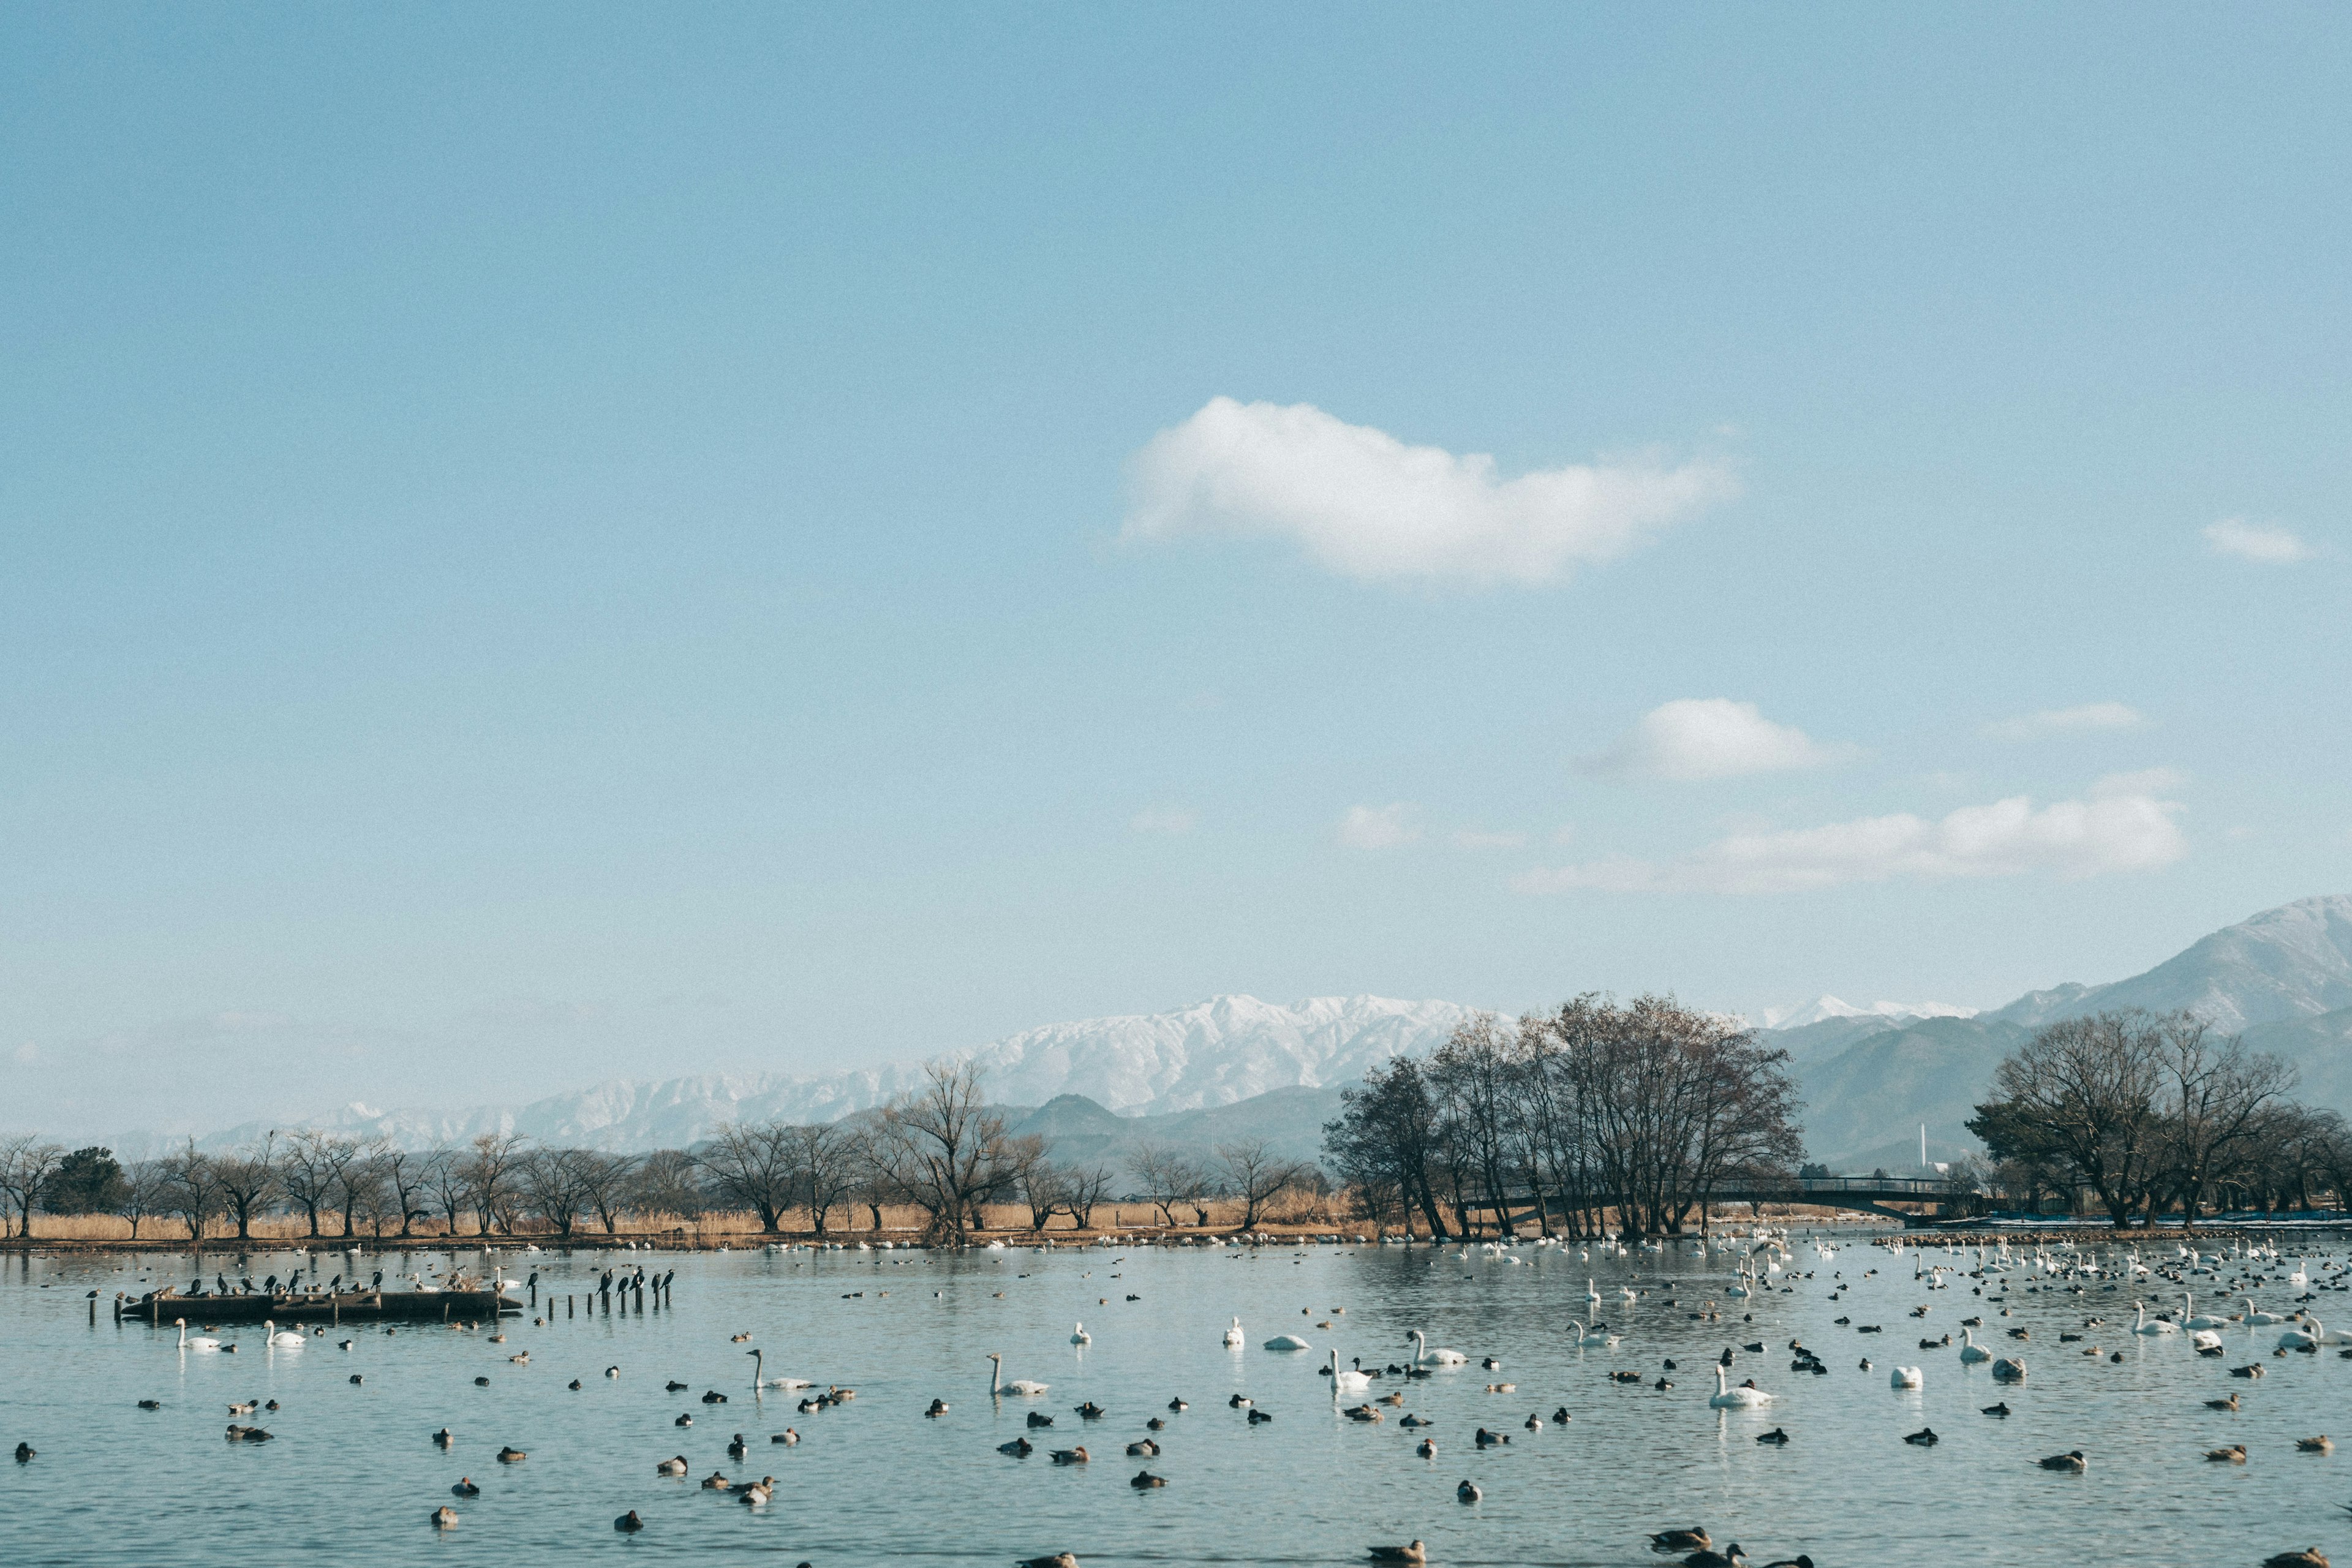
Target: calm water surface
(352,1473)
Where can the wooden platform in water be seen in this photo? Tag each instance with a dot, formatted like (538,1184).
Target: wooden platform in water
(160,1307)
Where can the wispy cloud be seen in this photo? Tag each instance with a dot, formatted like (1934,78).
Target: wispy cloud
(1166,821)
(1363,504)
(2071,839)
(1378,826)
(2067,721)
(2265,542)
(1711,738)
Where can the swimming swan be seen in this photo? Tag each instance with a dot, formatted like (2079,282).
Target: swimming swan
(1347,1380)
(198,1343)
(1901,1377)
(1233,1335)
(1423,1356)
(284,1340)
(1078,1335)
(1022,1385)
(2142,1326)
(1971,1353)
(1730,1398)
(1595,1337)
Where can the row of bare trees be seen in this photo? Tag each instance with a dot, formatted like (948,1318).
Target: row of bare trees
(2144,1111)
(1643,1109)
(940,1149)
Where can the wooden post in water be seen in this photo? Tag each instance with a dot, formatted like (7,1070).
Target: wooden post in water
(567,1306)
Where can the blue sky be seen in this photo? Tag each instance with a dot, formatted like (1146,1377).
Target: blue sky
(550,541)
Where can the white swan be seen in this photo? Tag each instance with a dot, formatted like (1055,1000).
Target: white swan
(1288,1342)
(2142,1326)
(1592,1297)
(1423,1356)
(2189,1317)
(1971,1353)
(1901,1377)
(760,1365)
(1078,1335)
(1594,1337)
(2259,1320)
(2312,1332)
(1021,1386)
(199,1343)
(1347,1379)
(277,1339)
(1233,1335)
(1730,1398)
(2205,1339)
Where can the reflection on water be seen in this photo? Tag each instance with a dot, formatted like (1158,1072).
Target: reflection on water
(353,1470)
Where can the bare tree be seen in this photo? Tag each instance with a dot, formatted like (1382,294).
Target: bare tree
(1084,1189)
(1042,1186)
(2082,1092)
(27,1163)
(146,1189)
(951,1151)
(2221,1100)
(194,1186)
(1388,1135)
(755,1164)
(361,1187)
(1256,1174)
(247,1181)
(445,1178)
(607,1183)
(489,1169)
(310,1167)
(553,1181)
(1169,1177)
(879,1165)
(669,1182)
(826,1155)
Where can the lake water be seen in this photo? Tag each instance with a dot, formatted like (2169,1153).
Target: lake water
(351,1473)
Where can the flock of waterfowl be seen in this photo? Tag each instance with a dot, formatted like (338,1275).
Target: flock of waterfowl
(2000,1277)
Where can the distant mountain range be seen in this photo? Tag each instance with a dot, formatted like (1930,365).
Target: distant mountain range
(1822,1008)
(1234,1066)
(2282,978)
(1225,1052)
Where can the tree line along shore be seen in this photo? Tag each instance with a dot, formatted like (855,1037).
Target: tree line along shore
(1598,1119)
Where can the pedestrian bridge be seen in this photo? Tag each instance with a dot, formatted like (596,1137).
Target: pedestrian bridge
(1869,1194)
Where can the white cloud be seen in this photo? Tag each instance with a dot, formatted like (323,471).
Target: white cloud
(1365,505)
(2265,542)
(1167,821)
(2072,838)
(1378,826)
(1474,838)
(1711,738)
(2067,721)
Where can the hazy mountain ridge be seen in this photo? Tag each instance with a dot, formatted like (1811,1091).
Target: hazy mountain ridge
(1222,1052)
(2292,962)
(1236,1066)
(2282,977)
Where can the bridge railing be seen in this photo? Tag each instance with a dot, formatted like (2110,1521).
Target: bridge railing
(1924,1186)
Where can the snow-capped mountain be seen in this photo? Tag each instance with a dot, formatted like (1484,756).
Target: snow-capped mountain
(2292,962)
(1828,1006)
(1221,1051)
